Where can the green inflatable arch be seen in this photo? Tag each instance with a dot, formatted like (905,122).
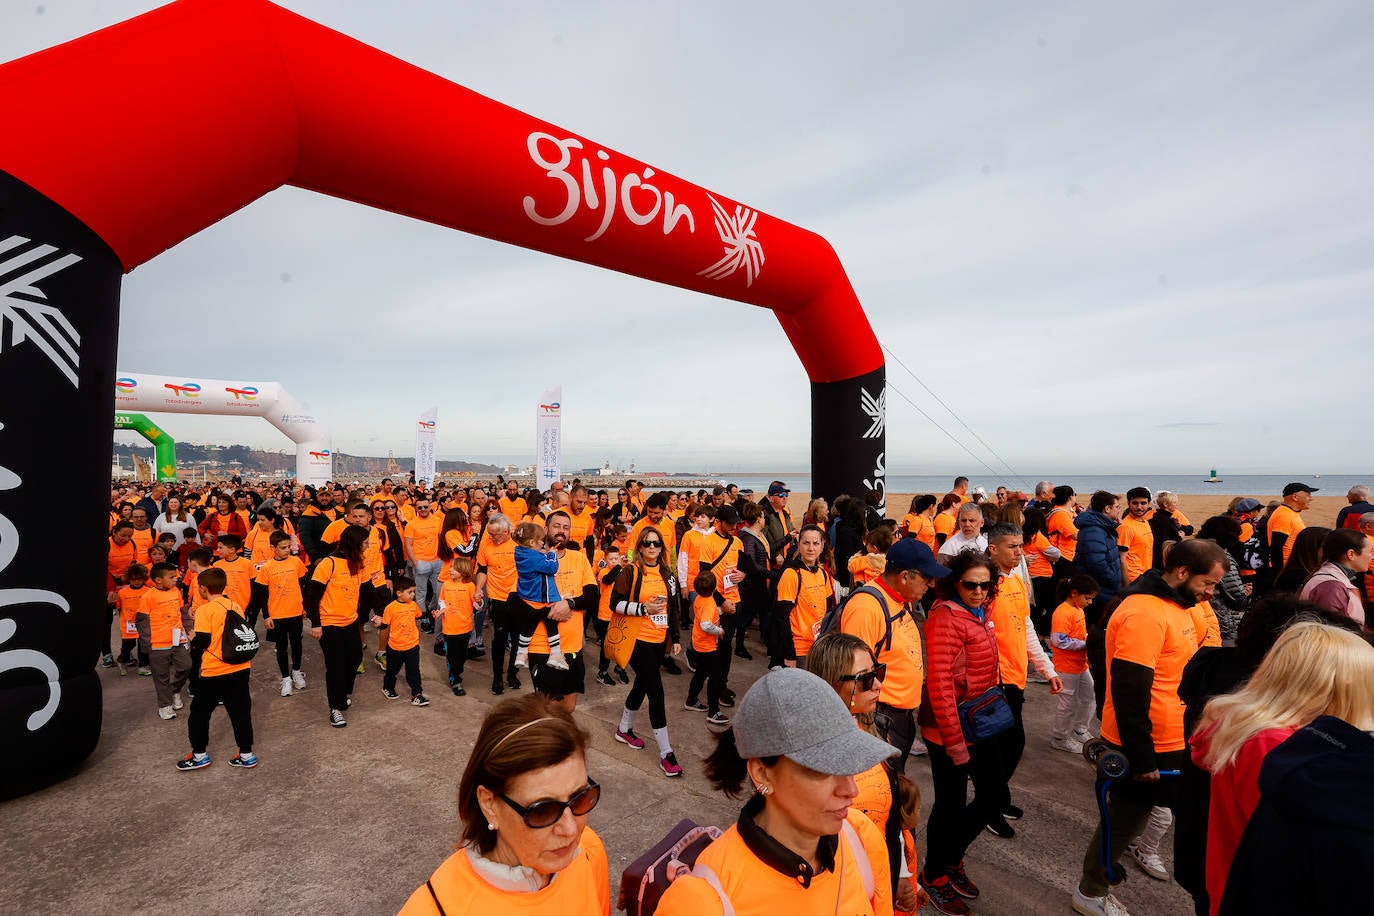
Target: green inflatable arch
(164,446)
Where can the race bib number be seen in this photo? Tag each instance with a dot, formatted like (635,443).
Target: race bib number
(659,620)
(131,627)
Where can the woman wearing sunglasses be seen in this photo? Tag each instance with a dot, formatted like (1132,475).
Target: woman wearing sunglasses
(799,847)
(886,796)
(523,802)
(648,589)
(961,664)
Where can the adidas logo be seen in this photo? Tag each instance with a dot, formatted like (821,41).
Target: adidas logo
(246,635)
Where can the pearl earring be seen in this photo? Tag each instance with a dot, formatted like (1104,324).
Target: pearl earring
(491,826)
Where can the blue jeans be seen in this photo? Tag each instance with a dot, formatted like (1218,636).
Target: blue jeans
(427,582)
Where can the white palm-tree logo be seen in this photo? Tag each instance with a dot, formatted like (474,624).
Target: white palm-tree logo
(23,305)
(742,247)
(876,410)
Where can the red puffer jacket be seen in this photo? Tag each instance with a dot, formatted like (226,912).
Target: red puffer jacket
(961,662)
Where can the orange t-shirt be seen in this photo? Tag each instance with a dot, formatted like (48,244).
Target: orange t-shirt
(920,528)
(258,543)
(725,555)
(665,530)
(810,591)
(339,603)
(499,559)
(399,618)
(130,600)
(163,610)
(513,509)
(704,610)
(945,524)
(1205,624)
(1139,542)
(653,628)
(1285,520)
(143,541)
(210,619)
(863,617)
(1152,632)
(574,574)
(691,549)
(581,525)
(240,572)
(1063,533)
(1070,621)
(423,534)
(1037,563)
(283,581)
(1009,613)
(119,561)
(581,889)
(456,600)
(192,580)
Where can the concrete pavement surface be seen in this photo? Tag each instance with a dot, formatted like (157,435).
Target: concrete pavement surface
(353,820)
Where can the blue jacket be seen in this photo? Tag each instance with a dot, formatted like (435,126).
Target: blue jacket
(534,571)
(1098,554)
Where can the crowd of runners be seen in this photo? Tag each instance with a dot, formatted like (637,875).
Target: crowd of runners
(1225,663)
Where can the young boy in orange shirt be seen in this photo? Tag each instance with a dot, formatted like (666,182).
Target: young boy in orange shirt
(216,680)
(130,599)
(1069,637)
(457,598)
(864,568)
(277,591)
(163,640)
(711,652)
(403,641)
(237,571)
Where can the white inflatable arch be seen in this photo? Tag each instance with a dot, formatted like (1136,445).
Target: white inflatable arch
(139,391)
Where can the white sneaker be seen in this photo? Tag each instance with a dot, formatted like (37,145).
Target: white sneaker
(557,660)
(176,701)
(1070,745)
(166,712)
(298,680)
(1082,734)
(1098,906)
(522,658)
(286,686)
(1149,861)
(918,749)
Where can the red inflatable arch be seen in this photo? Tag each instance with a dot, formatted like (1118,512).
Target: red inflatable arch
(126,141)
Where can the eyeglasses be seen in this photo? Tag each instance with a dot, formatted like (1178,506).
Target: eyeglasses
(391,505)
(647,544)
(544,814)
(865,679)
(974,586)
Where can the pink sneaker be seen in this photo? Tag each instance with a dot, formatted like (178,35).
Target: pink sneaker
(668,764)
(629,738)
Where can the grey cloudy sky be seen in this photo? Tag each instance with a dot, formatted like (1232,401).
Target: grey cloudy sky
(1110,236)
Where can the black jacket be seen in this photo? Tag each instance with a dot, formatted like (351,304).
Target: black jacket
(1308,846)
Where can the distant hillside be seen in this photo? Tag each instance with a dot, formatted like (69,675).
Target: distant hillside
(243,460)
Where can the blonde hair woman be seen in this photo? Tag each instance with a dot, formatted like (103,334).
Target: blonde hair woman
(1313,670)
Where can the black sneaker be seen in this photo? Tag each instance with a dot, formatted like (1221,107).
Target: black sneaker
(671,666)
(694,706)
(1012,813)
(336,718)
(603,678)
(498,688)
(743,653)
(943,897)
(439,648)
(419,700)
(512,682)
(622,674)
(390,693)
(458,690)
(474,652)
(727,701)
(192,762)
(244,761)
(999,827)
(958,880)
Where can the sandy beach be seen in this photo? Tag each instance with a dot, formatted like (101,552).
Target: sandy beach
(1198,507)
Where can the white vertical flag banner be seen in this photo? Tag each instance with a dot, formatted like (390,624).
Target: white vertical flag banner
(426,429)
(549,438)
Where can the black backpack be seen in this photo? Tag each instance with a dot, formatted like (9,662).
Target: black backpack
(240,641)
(830,623)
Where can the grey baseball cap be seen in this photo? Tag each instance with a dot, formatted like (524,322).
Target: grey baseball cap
(794,714)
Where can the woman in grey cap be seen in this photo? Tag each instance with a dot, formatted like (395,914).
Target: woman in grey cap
(798,846)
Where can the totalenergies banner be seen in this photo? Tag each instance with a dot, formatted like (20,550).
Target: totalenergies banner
(548,438)
(426,433)
(139,391)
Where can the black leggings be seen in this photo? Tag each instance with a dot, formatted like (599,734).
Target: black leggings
(342,648)
(602,627)
(954,820)
(232,690)
(644,662)
(503,634)
(525,618)
(288,632)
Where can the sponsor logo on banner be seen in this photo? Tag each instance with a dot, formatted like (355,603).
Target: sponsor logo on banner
(427,424)
(321,455)
(876,411)
(25,314)
(247,392)
(742,248)
(297,418)
(189,389)
(125,385)
(550,410)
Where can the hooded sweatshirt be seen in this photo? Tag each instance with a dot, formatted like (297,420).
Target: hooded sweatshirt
(1309,843)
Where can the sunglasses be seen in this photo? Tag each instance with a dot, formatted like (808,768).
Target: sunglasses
(647,544)
(866,679)
(974,586)
(545,814)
